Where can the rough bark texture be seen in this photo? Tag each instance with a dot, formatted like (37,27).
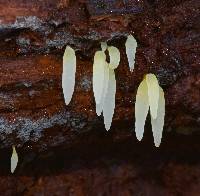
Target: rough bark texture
(65,150)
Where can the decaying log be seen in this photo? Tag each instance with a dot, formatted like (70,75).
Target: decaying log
(33,36)
(34,118)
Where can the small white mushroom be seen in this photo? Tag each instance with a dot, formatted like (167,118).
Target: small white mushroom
(14,159)
(131,46)
(68,75)
(99,107)
(114,57)
(158,123)
(109,101)
(153,93)
(98,75)
(141,109)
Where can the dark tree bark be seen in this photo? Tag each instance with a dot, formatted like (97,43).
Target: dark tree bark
(69,143)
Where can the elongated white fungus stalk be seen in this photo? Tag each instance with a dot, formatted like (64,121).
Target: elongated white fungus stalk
(158,123)
(14,160)
(131,46)
(109,101)
(114,57)
(99,107)
(68,75)
(141,109)
(98,75)
(150,94)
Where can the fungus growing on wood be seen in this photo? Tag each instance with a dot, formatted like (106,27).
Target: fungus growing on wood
(68,75)
(14,160)
(131,46)
(104,83)
(158,123)
(150,94)
(98,75)
(109,100)
(99,107)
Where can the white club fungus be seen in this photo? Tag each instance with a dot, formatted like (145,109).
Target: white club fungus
(68,75)
(146,98)
(109,101)
(14,160)
(158,123)
(131,46)
(99,107)
(104,83)
(141,109)
(98,75)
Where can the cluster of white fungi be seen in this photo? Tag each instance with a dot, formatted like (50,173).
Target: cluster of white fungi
(150,95)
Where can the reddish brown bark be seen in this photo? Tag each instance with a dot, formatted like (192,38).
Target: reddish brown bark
(33,115)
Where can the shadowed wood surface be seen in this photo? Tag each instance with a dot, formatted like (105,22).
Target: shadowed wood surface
(34,118)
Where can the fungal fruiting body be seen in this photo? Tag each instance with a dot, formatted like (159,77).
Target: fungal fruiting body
(99,107)
(158,123)
(104,83)
(141,109)
(98,75)
(131,46)
(68,75)
(150,95)
(14,160)
(109,100)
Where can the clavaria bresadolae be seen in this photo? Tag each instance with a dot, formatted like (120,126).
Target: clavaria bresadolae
(68,75)
(131,46)
(150,95)
(14,160)
(104,82)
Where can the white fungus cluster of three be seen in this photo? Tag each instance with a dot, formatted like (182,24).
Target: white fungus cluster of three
(149,94)
(104,82)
